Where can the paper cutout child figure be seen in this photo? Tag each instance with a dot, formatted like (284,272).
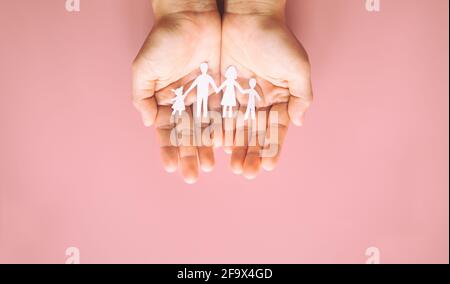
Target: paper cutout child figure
(252,97)
(202,83)
(229,96)
(178,102)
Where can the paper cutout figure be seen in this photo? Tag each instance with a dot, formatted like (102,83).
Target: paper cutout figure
(229,96)
(252,97)
(202,83)
(178,102)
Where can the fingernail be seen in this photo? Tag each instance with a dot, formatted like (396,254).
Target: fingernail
(207,168)
(191,180)
(237,171)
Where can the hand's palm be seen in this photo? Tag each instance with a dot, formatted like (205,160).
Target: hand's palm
(170,58)
(261,47)
(176,47)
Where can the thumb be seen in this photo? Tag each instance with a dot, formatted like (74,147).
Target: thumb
(300,100)
(148,109)
(143,95)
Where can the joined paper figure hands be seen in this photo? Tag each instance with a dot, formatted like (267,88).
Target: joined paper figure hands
(256,70)
(229,101)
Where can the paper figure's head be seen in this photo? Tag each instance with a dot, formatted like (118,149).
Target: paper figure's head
(231,73)
(204,68)
(252,83)
(178,92)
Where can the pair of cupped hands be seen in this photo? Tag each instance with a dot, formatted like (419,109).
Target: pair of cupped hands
(251,36)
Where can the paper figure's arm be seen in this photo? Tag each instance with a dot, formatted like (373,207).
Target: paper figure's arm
(224,84)
(213,84)
(194,84)
(239,87)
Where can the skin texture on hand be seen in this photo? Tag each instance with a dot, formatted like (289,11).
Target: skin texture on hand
(252,37)
(257,42)
(186,33)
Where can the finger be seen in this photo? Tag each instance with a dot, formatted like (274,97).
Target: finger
(229,131)
(189,164)
(278,124)
(169,155)
(206,158)
(257,132)
(148,110)
(216,129)
(228,124)
(297,110)
(167,138)
(143,93)
(301,98)
(215,111)
(252,163)
(203,140)
(239,150)
(187,150)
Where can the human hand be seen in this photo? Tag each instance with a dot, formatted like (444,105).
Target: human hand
(186,33)
(257,42)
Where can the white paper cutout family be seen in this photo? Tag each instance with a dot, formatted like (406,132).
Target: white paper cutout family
(204,81)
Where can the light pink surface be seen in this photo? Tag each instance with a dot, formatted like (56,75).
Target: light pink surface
(370,168)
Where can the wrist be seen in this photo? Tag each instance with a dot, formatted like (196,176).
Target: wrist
(259,7)
(167,7)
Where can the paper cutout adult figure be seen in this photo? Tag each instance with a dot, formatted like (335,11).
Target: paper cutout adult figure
(202,83)
(178,102)
(229,96)
(252,97)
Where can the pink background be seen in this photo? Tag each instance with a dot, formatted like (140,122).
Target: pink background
(370,168)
